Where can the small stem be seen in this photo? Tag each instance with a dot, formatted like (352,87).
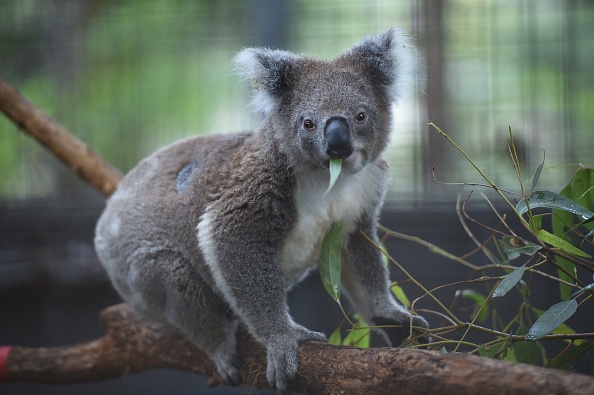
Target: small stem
(476,316)
(481,172)
(580,262)
(431,247)
(426,311)
(470,184)
(346,316)
(460,210)
(515,160)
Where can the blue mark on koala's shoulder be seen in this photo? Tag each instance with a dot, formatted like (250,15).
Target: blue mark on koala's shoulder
(183,177)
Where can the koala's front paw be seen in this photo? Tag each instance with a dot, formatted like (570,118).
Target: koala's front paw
(398,329)
(282,356)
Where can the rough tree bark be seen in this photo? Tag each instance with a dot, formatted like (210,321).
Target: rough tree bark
(133,344)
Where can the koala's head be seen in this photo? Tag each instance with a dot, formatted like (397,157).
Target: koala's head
(332,109)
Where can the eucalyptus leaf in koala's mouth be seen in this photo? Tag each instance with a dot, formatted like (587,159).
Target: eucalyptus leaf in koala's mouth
(335,166)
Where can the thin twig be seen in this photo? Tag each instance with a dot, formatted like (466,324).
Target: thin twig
(432,247)
(481,246)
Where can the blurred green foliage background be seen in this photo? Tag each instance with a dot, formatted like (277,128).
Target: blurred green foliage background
(130,76)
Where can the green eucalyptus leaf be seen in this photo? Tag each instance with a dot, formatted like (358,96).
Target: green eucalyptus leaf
(481,310)
(552,200)
(335,337)
(510,355)
(536,222)
(551,319)
(335,166)
(585,289)
(537,174)
(562,329)
(496,350)
(561,222)
(514,246)
(526,351)
(330,260)
(558,242)
(564,361)
(589,223)
(360,336)
(384,254)
(398,292)
(508,282)
(581,186)
(471,294)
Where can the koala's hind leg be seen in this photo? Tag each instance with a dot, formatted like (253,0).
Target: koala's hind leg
(217,338)
(164,285)
(365,279)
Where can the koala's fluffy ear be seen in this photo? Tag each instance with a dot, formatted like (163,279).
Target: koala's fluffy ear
(390,60)
(269,72)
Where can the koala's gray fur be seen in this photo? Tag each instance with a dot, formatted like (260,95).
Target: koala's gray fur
(212,231)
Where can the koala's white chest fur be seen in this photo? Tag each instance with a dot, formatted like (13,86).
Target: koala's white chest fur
(316,213)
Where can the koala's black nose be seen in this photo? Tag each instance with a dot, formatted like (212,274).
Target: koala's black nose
(338,139)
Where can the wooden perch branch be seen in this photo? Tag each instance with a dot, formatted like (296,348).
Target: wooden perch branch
(130,345)
(70,150)
(133,344)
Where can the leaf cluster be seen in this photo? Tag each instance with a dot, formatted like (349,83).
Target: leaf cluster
(558,238)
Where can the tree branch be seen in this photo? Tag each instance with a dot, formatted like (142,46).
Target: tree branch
(70,150)
(133,344)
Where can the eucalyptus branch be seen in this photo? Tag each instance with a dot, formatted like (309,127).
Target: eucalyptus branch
(571,258)
(461,214)
(501,217)
(444,342)
(502,334)
(585,264)
(476,316)
(469,184)
(557,279)
(515,160)
(561,268)
(427,311)
(432,247)
(477,280)
(481,172)
(479,248)
(345,315)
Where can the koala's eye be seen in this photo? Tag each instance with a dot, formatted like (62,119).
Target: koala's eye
(308,124)
(361,117)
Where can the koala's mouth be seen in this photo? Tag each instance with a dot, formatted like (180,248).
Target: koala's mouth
(352,158)
(352,163)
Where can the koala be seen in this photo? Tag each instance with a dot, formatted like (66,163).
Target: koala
(210,232)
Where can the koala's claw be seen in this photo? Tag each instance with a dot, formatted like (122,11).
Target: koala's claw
(305,335)
(421,322)
(230,371)
(400,329)
(282,356)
